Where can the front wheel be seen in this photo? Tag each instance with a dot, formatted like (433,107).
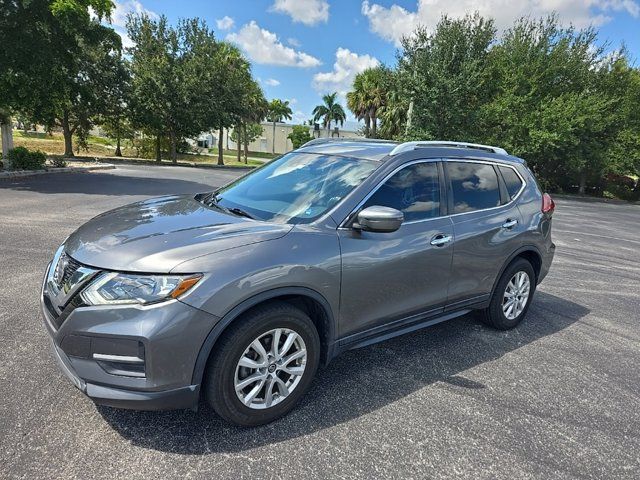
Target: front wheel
(512,296)
(263,365)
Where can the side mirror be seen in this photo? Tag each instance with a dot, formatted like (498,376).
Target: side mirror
(379,219)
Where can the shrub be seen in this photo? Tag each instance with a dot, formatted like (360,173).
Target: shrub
(59,162)
(299,136)
(22,158)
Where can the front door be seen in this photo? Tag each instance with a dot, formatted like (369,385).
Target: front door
(388,276)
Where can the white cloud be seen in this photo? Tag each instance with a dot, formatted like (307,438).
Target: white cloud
(394,22)
(263,46)
(308,12)
(345,68)
(225,23)
(294,42)
(272,82)
(122,9)
(119,18)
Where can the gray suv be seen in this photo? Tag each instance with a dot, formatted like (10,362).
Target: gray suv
(242,293)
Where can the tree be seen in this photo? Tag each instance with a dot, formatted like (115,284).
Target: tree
(245,135)
(277,112)
(445,73)
(329,111)
(299,136)
(368,96)
(54,71)
(115,120)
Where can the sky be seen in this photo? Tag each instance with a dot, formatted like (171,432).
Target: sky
(302,49)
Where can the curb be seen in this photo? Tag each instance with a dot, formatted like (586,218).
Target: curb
(11,174)
(153,163)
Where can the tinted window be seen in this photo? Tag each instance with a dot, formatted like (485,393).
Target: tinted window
(474,185)
(512,180)
(414,190)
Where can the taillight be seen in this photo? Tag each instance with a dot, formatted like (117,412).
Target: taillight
(548,205)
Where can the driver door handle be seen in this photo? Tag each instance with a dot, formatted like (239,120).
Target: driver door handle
(510,223)
(440,240)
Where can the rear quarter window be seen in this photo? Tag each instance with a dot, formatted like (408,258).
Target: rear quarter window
(511,180)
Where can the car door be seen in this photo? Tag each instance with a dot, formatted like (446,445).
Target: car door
(389,276)
(487,226)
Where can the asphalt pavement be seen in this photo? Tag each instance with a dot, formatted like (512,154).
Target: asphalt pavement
(558,397)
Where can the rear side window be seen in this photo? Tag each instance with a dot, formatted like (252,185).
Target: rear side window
(474,186)
(414,190)
(511,180)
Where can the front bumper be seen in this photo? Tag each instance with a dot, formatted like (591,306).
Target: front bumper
(164,340)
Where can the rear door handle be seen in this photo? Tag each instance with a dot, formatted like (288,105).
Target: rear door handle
(440,240)
(510,223)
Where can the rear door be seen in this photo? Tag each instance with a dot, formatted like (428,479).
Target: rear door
(388,276)
(487,226)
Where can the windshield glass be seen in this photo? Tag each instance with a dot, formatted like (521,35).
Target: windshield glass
(295,188)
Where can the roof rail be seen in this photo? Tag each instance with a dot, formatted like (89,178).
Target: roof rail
(320,141)
(407,146)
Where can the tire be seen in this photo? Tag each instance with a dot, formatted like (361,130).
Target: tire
(495,315)
(224,371)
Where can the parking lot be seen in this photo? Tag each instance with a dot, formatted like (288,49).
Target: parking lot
(558,397)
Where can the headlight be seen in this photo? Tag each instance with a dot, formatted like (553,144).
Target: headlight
(119,288)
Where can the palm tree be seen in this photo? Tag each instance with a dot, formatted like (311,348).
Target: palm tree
(368,96)
(330,111)
(278,110)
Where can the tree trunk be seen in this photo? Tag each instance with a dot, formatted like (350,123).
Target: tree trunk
(174,146)
(220,146)
(329,129)
(583,183)
(367,125)
(118,151)
(158,152)
(239,141)
(7,139)
(374,125)
(68,135)
(273,149)
(246,143)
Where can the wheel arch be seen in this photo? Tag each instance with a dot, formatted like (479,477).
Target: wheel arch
(530,253)
(311,302)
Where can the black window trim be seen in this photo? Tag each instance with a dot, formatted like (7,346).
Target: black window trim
(498,174)
(349,219)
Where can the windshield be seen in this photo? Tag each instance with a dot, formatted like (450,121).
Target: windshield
(295,188)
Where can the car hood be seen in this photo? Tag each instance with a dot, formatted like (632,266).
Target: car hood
(156,235)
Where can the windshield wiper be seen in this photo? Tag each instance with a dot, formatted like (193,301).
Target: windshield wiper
(240,212)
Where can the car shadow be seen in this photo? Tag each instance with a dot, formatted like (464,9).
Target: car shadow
(354,384)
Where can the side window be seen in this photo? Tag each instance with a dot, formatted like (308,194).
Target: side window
(511,180)
(474,186)
(414,190)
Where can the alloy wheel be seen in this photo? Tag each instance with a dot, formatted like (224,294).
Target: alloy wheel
(270,368)
(516,295)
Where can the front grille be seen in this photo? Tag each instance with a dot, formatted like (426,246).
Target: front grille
(69,267)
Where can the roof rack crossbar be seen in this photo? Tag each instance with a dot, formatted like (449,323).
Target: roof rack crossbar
(407,146)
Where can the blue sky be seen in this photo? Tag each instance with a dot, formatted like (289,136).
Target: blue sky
(301,49)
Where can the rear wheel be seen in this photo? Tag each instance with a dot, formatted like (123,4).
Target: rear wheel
(263,365)
(512,296)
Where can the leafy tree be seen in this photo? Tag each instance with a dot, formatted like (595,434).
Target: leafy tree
(299,136)
(115,120)
(445,74)
(368,96)
(329,111)
(278,111)
(59,60)
(245,135)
